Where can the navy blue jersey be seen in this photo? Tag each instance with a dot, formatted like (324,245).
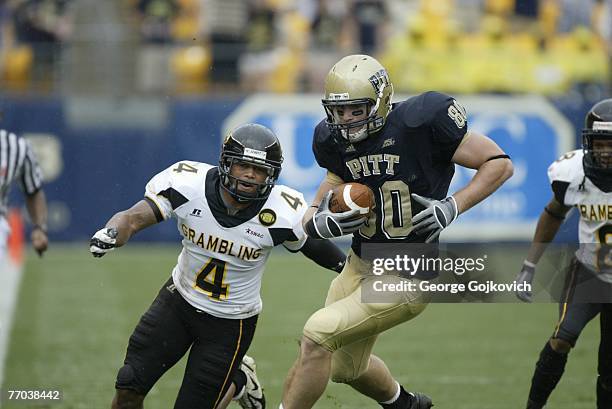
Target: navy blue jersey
(410,154)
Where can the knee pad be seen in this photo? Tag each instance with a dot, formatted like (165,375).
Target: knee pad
(126,378)
(322,328)
(561,346)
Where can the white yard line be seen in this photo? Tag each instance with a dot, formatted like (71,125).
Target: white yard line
(10,278)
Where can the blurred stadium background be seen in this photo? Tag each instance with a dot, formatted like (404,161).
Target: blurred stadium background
(110,92)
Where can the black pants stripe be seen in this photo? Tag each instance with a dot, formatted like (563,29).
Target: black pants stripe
(231,368)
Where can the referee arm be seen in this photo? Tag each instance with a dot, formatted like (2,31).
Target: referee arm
(37,209)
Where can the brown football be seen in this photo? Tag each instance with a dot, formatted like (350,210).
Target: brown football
(350,196)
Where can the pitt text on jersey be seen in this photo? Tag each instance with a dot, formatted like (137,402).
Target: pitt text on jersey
(219,245)
(369,165)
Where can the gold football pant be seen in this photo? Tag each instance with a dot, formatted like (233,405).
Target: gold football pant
(348,327)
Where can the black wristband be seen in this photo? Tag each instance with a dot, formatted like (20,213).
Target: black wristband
(554,215)
(40,227)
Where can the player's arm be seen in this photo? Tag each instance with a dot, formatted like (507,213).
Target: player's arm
(37,209)
(321,223)
(477,151)
(122,226)
(549,223)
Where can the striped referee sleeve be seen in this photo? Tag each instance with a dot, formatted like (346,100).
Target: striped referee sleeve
(31,174)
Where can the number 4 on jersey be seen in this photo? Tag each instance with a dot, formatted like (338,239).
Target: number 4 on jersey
(185,167)
(213,286)
(293,201)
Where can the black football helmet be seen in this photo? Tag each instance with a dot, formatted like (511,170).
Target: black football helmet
(597,145)
(255,144)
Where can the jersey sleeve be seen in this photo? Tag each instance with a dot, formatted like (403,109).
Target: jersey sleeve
(562,172)
(448,123)
(165,192)
(289,206)
(30,174)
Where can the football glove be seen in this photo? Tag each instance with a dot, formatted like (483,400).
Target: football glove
(436,216)
(103,241)
(525,276)
(325,224)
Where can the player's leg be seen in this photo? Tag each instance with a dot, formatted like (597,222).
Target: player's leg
(604,367)
(216,354)
(157,343)
(341,323)
(355,365)
(341,286)
(553,357)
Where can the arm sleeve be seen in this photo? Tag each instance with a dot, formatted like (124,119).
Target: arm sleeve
(325,253)
(448,126)
(561,173)
(30,173)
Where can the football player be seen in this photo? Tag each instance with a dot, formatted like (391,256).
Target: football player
(230,217)
(405,152)
(581,179)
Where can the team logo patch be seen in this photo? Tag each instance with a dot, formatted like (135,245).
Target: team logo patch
(388,142)
(267,217)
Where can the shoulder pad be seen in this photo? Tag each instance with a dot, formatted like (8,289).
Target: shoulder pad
(288,204)
(568,168)
(421,108)
(184,177)
(322,134)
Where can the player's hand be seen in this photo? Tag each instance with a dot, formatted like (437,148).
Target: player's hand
(39,240)
(103,241)
(525,277)
(436,216)
(325,224)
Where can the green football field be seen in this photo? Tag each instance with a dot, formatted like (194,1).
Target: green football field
(75,314)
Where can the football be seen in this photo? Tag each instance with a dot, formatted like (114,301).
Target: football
(349,196)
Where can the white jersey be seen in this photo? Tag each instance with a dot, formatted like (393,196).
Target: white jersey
(573,189)
(220,267)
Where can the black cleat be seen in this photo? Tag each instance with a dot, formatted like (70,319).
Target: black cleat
(419,401)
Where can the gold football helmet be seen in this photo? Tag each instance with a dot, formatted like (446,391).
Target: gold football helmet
(360,84)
